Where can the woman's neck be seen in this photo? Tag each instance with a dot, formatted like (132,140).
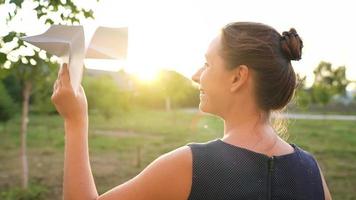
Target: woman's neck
(252,131)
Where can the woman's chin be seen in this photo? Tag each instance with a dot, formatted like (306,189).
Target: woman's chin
(202,107)
(205,109)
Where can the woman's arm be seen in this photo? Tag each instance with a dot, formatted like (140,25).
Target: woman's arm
(168,177)
(325,186)
(78,181)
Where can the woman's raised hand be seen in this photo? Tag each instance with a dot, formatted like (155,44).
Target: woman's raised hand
(70,106)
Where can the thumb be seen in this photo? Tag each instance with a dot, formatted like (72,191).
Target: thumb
(65,78)
(81,90)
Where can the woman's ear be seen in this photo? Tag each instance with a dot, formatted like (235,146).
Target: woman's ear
(239,77)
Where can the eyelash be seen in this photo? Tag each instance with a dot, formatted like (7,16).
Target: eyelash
(206,65)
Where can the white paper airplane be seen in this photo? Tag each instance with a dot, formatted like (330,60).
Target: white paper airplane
(108,43)
(68,43)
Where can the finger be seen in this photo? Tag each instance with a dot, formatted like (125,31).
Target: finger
(55,90)
(59,83)
(65,79)
(81,90)
(55,85)
(59,71)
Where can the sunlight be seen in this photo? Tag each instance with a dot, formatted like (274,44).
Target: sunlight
(104,64)
(146,76)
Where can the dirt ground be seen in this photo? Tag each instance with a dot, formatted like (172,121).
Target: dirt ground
(110,167)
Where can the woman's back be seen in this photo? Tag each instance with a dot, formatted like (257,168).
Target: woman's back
(224,171)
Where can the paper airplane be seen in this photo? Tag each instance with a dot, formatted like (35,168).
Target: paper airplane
(108,43)
(68,43)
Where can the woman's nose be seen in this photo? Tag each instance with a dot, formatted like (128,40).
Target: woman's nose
(196,76)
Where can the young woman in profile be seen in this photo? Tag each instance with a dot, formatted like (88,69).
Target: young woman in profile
(247,75)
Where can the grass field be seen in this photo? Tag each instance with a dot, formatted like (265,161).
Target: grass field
(120,148)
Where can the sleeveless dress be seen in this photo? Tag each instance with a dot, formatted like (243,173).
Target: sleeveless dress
(222,171)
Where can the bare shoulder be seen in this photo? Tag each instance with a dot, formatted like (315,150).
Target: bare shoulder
(182,152)
(167,177)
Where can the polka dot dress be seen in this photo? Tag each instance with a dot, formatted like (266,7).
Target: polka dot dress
(222,171)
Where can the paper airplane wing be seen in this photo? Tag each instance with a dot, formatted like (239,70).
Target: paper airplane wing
(58,48)
(66,42)
(108,43)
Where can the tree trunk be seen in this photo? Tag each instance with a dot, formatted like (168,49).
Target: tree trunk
(26,90)
(168,104)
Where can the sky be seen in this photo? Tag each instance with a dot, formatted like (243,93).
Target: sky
(175,34)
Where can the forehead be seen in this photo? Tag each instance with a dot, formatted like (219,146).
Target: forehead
(214,48)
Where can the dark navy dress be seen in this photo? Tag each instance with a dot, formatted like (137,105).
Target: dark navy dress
(222,171)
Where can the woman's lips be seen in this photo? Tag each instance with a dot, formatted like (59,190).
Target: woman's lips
(202,94)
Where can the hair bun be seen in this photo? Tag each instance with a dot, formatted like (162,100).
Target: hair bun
(292,44)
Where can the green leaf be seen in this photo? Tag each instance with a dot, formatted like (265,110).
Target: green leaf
(55,8)
(74,19)
(88,14)
(2,58)
(18,3)
(40,14)
(49,21)
(9,37)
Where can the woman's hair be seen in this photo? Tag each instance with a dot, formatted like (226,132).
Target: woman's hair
(269,54)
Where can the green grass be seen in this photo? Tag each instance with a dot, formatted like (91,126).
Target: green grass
(115,144)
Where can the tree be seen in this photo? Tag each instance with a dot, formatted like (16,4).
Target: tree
(105,96)
(31,68)
(302,94)
(339,80)
(172,87)
(169,89)
(328,82)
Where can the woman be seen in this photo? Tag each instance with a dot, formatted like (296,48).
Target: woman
(247,75)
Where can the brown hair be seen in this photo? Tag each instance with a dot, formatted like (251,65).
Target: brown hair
(269,54)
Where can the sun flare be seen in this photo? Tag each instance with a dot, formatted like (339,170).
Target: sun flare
(146,76)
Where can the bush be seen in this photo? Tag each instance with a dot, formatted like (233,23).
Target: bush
(34,192)
(41,95)
(7,106)
(41,100)
(105,96)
